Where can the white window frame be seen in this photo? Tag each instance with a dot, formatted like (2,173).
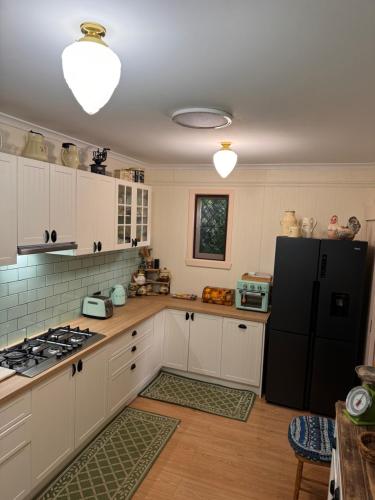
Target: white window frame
(216,264)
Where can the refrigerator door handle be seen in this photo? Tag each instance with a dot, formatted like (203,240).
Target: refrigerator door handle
(323,266)
(314,305)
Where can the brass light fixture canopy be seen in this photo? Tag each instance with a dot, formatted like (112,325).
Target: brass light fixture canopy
(93,32)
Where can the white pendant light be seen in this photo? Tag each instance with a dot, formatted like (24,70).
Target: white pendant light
(91,69)
(225,159)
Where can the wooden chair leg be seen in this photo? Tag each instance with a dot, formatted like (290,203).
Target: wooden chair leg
(297,484)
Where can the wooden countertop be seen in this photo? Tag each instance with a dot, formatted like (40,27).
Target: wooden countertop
(357,475)
(124,318)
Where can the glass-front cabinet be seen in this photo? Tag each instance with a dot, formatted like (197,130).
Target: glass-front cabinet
(133,211)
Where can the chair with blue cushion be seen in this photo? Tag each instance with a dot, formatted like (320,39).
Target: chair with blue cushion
(312,440)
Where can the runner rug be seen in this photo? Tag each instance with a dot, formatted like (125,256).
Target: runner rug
(204,396)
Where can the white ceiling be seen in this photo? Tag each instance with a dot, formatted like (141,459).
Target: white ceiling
(298,75)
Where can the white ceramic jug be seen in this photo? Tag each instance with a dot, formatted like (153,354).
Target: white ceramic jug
(288,220)
(35,147)
(308,226)
(69,155)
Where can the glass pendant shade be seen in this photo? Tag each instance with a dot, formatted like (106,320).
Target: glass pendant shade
(92,71)
(225,160)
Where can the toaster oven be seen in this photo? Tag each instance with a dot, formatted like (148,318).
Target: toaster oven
(252,295)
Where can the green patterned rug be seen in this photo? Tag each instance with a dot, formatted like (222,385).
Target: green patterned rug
(204,396)
(114,464)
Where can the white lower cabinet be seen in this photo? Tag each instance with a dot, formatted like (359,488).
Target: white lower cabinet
(53,423)
(15,448)
(158,341)
(66,410)
(205,344)
(176,339)
(90,394)
(242,351)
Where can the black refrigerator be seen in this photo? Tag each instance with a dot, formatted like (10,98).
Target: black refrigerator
(317,322)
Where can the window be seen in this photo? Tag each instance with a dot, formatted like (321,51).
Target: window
(210,228)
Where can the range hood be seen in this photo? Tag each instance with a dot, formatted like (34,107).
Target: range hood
(48,247)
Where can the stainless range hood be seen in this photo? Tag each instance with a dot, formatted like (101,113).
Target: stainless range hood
(48,247)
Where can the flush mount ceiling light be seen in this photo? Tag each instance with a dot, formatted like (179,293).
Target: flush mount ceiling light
(202,118)
(225,159)
(91,69)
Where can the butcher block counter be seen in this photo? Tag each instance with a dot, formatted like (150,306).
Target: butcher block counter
(357,475)
(124,318)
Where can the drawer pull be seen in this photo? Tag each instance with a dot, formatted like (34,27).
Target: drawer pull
(242,326)
(134,333)
(134,348)
(133,366)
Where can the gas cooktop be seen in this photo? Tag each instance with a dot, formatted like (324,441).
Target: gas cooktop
(35,355)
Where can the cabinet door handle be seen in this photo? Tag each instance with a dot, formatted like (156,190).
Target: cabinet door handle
(73,369)
(53,236)
(99,246)
(80,365)
(133,366)
(94,246)
(134,333)
(134,348)
(187,316)
(241,325)
(46,236)
(192,316)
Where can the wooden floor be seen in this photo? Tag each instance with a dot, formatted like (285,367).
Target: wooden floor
(215,458)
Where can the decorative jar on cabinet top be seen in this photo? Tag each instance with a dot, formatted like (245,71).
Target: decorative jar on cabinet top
(69,155)
(35,148)
(288,220)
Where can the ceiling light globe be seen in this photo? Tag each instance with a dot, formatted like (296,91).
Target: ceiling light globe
(92,72)
(225,160)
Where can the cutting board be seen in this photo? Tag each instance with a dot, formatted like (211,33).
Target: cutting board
(5,373)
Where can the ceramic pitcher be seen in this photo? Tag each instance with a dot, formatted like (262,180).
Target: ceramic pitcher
(69,155)
(35,147)
(288,220)
(308,226)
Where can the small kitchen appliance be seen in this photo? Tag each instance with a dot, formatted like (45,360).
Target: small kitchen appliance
(360,401)
(253,291)
(97,306)
(35,355)
(118,295)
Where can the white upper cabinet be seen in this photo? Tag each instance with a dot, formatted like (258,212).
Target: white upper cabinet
(8,209)
(142,215)
(205,344)
(63,203)
(133,214)
(124,214)
(242,353)
(95,213)
(33,202)
(46,203)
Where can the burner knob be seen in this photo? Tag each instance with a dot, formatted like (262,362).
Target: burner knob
(70,348)
(64,351)
(59,355)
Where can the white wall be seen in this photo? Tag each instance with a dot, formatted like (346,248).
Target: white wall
(261,195)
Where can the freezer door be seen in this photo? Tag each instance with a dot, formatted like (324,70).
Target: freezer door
(296,265)
(286,369)
(333,375)
(342,268)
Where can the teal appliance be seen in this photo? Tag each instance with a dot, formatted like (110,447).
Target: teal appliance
(252,295)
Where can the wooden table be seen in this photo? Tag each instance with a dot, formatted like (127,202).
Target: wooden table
(357,475)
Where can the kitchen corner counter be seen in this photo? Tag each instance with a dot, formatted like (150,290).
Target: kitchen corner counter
(124,318)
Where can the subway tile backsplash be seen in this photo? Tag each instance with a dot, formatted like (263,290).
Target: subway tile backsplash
(45,290)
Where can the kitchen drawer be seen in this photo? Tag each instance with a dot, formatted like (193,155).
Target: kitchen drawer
(130,337)
(15,438)
(123,356)
(125,380)
(14,411)
(15,475)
